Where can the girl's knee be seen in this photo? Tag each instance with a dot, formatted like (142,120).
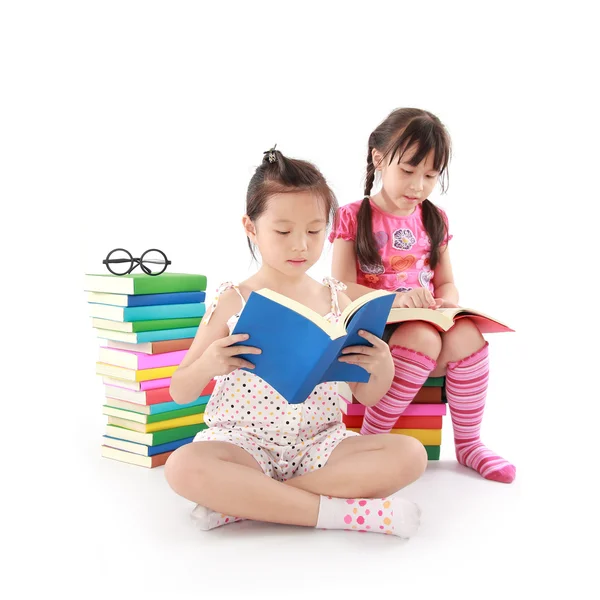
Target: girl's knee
(183,465)
(418,336)
(409,456)
(464,337)
(464,327)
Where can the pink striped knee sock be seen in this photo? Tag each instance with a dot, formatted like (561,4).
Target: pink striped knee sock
(412,369)
(466,387)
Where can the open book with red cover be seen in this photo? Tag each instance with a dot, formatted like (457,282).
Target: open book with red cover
(444,318)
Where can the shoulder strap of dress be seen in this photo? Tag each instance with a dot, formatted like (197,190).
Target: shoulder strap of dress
(228,285)
(335,286)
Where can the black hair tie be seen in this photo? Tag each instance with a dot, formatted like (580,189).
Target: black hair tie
(272,157)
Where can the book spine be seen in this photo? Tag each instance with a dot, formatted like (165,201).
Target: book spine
(166,334)
(167,298)
(173,283)
(161,312)
(166,359)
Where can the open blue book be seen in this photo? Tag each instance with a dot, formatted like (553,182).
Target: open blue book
(300,348)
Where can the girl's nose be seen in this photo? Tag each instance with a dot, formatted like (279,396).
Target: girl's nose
(300,243)
(416,183)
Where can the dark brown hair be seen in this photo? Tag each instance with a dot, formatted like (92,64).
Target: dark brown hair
(278,174)
(405,128)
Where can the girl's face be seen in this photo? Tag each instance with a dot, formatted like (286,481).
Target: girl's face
(290,233)
(405,185)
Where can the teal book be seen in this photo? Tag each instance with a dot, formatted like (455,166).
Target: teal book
(147,313)
(182,411)
(167,407)
(155,409)
(140,283)
(300,348)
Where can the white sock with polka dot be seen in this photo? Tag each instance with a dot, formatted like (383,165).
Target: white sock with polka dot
(393,516)
(207,519)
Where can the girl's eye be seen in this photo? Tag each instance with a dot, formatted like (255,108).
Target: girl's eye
(408,172)
(282,232)
(315,232)
(431,176)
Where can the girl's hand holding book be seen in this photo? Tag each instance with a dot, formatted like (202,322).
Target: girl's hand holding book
(220,358)
(376,360)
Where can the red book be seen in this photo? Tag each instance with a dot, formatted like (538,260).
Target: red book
(147,397)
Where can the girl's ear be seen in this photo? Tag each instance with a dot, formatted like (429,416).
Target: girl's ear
(249,228)
(377,159)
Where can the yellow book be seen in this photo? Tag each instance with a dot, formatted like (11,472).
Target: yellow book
(158,426)
(134,374)
(427,437)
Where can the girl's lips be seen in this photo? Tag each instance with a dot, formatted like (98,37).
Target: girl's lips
(297,262)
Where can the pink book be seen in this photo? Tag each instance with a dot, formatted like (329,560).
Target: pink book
(137,386)
(412,410)
(140,360)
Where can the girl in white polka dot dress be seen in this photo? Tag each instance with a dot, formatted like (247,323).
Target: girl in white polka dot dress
(262,458)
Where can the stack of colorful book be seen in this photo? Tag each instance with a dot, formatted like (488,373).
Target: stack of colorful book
(422,418)
(148,323)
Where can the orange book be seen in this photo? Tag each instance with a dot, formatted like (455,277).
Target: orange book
(152,347)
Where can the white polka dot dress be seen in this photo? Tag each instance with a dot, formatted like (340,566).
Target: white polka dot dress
(287,440)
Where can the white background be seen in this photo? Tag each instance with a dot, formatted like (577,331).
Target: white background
(139,124)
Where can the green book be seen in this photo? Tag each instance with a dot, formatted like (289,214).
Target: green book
(433,452)
(140,283)
(435,382)
(137,326)
(155,438)
(155,418)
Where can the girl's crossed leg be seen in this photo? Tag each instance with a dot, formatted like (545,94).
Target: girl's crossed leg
(349,492)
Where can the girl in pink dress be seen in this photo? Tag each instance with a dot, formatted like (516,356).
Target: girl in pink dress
(398,240)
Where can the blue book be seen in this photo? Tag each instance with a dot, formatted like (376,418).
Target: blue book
(146,313)
(300,348)
(146,299)
(143,449)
